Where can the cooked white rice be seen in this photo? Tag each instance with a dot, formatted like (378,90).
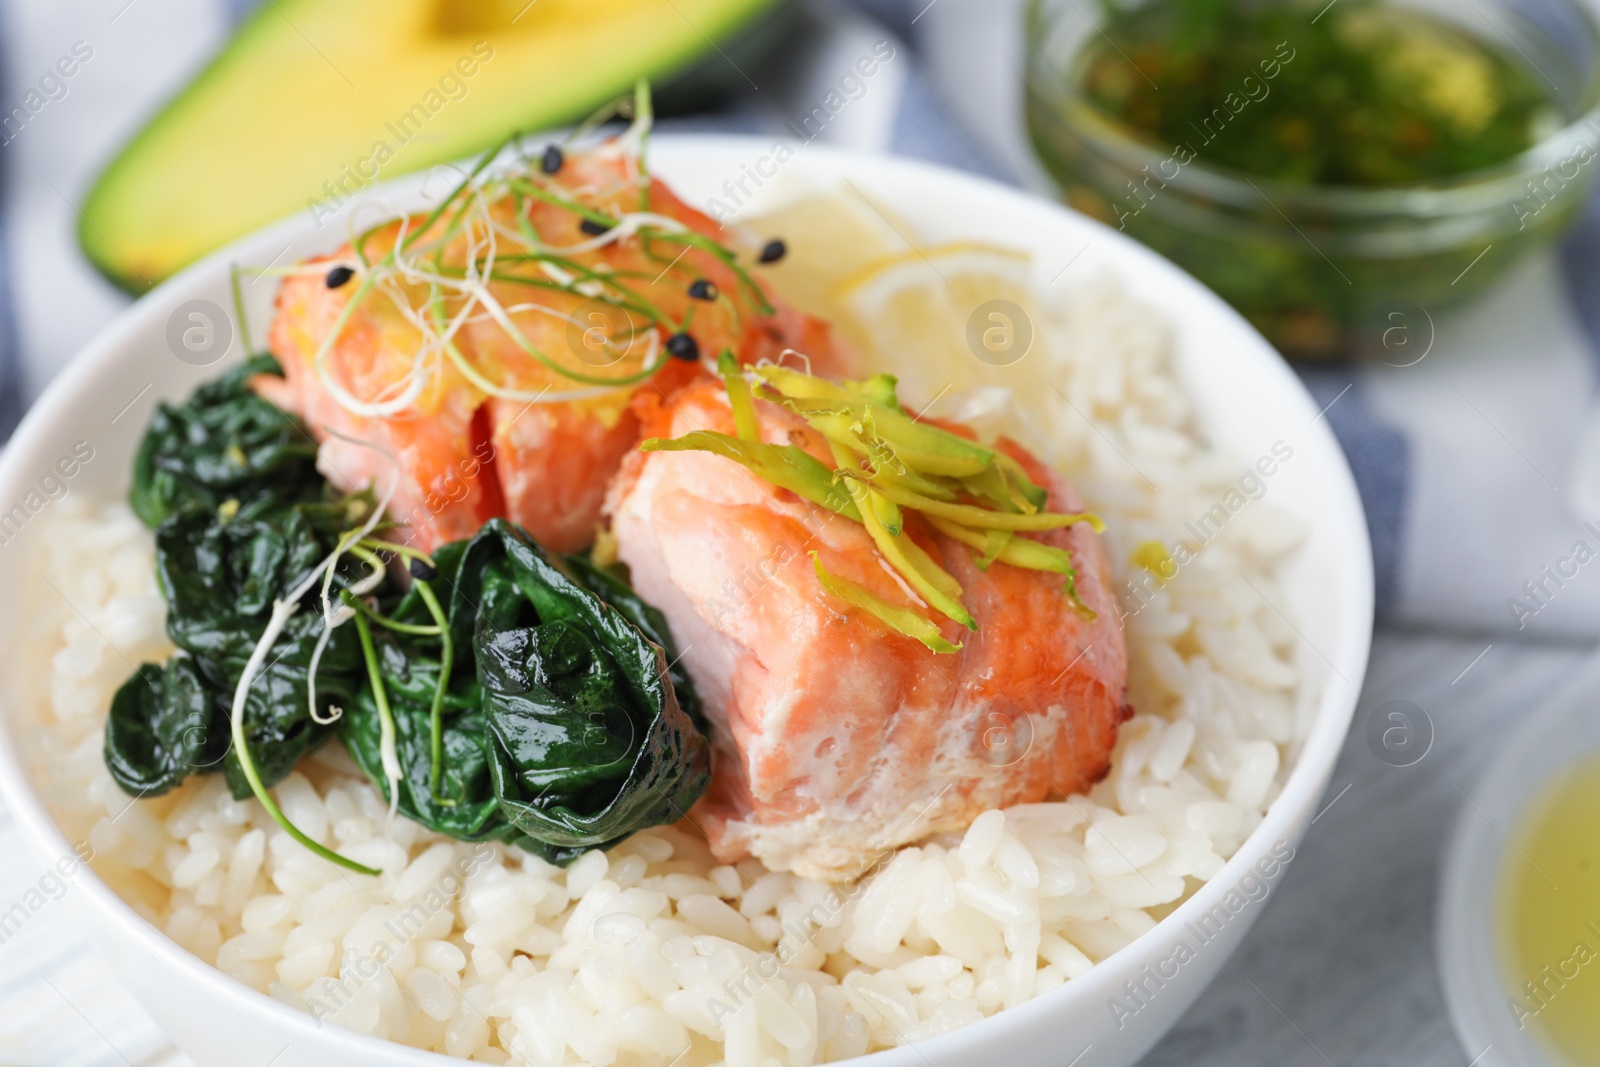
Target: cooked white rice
(653,953)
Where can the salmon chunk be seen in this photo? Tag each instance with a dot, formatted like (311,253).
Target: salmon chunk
(541,446)
(836,737)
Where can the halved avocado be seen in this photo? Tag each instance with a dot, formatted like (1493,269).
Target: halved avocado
(313,99)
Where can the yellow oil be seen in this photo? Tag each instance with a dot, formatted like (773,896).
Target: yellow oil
(1550,909)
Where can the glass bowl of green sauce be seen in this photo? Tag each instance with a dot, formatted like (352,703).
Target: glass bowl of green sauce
(1340,171)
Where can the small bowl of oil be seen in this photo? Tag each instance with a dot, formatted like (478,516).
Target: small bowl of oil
(1519,909)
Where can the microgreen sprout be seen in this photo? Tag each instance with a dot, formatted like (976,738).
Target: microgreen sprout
(452,267)
(283,609)
(380,696)
(447,655)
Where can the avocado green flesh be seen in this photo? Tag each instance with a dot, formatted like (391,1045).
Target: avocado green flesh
(311,95)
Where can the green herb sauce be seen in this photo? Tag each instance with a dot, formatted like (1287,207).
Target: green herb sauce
(1355,94)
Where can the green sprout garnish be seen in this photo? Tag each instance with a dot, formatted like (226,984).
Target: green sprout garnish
(485,219)
(887,463)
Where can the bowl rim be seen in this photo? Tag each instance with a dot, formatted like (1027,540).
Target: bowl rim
(1466,193)
(1283,821)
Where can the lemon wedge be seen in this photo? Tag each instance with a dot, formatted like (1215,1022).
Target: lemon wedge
(828,236)
(944,318)
(948,317)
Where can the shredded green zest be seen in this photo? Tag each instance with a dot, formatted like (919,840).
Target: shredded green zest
(931,581)
(1003,546)
(986,518)
(785,466)
(886,464)
(901,620)
(744,408)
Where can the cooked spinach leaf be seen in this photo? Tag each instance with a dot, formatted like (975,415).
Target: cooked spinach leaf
(220,577)
(230,484)
(225,443)
(588,741)
(543,706)
(610,587)
(467,806)
(164,725)
(558,732)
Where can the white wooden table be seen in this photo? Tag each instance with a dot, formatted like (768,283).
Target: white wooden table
(1344,947)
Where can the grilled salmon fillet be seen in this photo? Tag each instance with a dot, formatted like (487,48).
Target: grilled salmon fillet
(837,738)
(460,454)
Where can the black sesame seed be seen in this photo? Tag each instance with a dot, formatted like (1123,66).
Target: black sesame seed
(338,276)
(421,571)
(593,228)
(683,347)
(553,160)
(773,251)
(703,290)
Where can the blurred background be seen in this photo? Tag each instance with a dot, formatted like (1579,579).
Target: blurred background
(1398,194)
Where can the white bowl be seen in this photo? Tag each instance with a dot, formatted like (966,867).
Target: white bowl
(1247,398)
